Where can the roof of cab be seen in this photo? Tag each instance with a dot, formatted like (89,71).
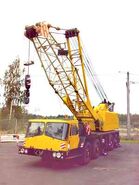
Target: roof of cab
(73,121)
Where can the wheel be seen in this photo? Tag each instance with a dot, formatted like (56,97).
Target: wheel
(96,149)
(104,145)
(116,140)
(111,142)
(86,155)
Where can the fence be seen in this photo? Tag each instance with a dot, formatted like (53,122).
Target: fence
(13,126)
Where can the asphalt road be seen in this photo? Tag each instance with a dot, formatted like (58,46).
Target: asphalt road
(119,167)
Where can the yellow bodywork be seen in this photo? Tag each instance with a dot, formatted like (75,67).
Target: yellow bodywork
(108,120)
(45,142)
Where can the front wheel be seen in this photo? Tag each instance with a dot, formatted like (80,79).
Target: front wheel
(86,155)
(96,149)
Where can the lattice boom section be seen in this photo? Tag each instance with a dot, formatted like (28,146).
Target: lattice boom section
(61,72)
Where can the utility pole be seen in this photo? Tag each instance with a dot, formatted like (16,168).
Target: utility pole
(128,107)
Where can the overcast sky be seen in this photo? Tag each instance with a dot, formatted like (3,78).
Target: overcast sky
(109,30)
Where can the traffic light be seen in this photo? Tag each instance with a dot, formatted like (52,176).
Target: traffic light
(27,93)
(26,96)
(27,82)
(26,100)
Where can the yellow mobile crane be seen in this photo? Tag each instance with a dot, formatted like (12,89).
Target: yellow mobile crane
(94,130)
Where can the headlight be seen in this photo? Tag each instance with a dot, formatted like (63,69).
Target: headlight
(22,150)
(26,151)
(54,154)
(58,155)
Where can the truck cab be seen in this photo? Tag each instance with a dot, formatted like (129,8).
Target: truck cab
(53,139)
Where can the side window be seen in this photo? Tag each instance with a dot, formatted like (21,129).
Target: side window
(74,130)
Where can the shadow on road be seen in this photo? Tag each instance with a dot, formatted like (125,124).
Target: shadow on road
(55,165)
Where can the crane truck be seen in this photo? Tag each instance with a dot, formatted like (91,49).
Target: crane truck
(94,129)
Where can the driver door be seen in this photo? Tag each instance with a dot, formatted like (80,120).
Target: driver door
(74,137)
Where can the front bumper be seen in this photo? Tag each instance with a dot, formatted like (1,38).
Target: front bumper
(51,155)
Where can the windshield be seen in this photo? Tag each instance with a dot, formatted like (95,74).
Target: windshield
(57,130)
(35,129)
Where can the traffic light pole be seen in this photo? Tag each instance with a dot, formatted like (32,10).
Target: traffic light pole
(128,107)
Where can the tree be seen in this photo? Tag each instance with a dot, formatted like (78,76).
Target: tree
(0,90)
(13,83)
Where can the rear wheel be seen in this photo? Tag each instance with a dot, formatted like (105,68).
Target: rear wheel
(116,140)
(111,142)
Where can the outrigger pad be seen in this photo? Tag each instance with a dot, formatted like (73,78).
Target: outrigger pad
(30,32)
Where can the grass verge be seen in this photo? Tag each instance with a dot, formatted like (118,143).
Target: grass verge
(129,141)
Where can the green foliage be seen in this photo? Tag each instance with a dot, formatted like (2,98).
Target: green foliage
(13,83)
(123,118)
(60,117)
(20,119)
(4,112)
(13,96)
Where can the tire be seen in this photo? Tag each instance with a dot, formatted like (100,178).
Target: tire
(96,149)
(116,140)
(86,154)
(104,145)
(111,142)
